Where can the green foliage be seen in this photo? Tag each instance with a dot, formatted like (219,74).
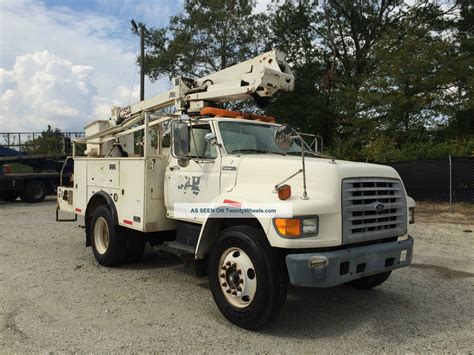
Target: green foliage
(51,141)
(431,149)
(209,35)
(382,80)
(18,168)
(383,149)
(412,87)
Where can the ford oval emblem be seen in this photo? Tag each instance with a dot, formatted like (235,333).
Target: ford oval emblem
(379,206)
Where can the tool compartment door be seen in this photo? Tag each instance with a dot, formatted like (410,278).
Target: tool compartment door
(80,186)
(103,173)
(130,201)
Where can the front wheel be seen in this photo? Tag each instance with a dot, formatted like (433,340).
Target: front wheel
(247,277)
(369,282)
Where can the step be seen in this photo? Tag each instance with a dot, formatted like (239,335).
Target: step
(176,248)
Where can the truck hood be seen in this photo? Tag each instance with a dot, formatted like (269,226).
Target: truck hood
(258,174)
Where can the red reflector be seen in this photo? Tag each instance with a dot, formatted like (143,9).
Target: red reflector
(126,221)
(232,203)
(77,210)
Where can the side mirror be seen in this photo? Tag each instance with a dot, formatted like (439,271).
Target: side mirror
(210,138)
(180,139)
(284,137)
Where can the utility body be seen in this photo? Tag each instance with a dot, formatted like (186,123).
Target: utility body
(145,167)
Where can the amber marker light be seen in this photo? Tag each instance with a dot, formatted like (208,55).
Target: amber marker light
(288,227)
(284,192)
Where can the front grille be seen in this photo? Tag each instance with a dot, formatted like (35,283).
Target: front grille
(372,208)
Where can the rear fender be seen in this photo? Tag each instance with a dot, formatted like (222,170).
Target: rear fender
(98,199)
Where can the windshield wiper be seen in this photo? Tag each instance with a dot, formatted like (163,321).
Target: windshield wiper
(257,151)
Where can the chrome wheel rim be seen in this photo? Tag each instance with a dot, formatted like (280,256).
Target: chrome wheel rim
(101,235)
(237,277)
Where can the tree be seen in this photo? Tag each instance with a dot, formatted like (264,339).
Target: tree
(369,73)
(462,122)
(308,108)
(209,35)
(375,69)
(51,141)
(413,87)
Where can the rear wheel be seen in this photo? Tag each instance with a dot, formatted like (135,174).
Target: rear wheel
(108,246)
(368,282)
(35,191)
(247,277)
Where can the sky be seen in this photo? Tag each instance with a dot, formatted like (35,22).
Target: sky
(66,63)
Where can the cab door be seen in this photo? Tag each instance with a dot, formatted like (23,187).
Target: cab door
(197,181)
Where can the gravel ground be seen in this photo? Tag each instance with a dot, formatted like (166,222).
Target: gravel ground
(55,298)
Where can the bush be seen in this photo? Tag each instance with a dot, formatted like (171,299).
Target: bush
(384,149)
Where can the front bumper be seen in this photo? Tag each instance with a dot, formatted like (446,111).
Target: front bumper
(328,269)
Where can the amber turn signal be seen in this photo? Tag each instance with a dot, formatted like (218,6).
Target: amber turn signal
(288,227)
(284,192)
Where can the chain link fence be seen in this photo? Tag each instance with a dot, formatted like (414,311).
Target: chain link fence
(449,179)
(38,142)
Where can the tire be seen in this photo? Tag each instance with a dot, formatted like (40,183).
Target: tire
(35,191)
(369,282)
(247,277)
(9,196)
(135,246)
(109,248)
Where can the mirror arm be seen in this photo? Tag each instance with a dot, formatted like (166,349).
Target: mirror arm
(288,178)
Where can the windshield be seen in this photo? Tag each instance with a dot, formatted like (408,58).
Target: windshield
(252,138)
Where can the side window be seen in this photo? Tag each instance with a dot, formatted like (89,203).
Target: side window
(199,147)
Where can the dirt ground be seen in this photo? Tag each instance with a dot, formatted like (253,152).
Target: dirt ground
(55,298)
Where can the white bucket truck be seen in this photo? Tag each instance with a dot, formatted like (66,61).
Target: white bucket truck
(149,175)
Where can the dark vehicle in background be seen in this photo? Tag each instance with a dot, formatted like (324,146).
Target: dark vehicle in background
(32,176)
(32,186)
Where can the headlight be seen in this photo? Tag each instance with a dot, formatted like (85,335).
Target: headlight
(411,212)
(310,226)
(297,227)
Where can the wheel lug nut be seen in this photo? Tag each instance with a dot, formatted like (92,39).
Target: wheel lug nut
(224,268)
(234,265)
(222,275)
(239,289)
(234,293)
(239,271)
(241,281)
(224,284)
(228,291)
(228,263)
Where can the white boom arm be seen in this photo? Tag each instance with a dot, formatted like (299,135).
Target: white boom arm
(259,77)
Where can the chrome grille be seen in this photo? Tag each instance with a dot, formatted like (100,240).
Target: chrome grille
(372,208)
